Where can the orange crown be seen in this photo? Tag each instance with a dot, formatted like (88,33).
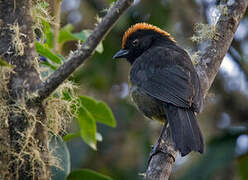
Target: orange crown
(144,26)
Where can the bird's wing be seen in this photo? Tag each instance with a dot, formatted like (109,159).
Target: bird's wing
(157,73)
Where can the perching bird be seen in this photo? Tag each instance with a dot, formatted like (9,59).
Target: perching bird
(164,83)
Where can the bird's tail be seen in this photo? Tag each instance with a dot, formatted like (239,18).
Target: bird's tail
(184,129)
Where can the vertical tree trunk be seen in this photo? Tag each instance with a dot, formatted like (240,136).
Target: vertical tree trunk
(28,155)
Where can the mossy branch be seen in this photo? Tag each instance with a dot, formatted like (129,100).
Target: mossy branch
(80,55)
(209,61)
(24,150)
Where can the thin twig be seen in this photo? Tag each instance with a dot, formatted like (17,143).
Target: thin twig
(209,63)
(80,55)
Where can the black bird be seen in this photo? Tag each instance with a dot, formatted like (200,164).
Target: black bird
(164,83)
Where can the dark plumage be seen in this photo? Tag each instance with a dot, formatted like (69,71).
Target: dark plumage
(164,83)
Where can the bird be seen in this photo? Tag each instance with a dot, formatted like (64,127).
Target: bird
(164,84)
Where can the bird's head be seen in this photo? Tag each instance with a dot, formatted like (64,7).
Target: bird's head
(139,38)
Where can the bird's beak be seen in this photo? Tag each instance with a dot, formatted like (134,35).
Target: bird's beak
(121,54)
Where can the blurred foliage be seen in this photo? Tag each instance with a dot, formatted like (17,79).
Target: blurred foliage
(85,109)
(243,166)
(219,155)
(59,150)
(123,152)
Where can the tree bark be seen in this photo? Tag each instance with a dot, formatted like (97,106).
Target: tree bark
(25,135)
(207,67)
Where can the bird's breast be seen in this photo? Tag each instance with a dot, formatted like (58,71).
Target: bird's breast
(150,106)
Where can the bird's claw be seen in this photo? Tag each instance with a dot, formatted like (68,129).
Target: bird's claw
(155,149)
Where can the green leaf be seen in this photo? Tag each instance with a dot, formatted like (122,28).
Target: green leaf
(80,36)
(87,32)
(68,27)
(99,110)
(46,52)
(48,33)
(46,63)
(66,35)
(87,174)
(60,152)
(99,48)
(4,63)
(87,126)
(70,136)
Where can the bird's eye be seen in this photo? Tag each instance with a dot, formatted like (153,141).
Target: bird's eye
(135,42)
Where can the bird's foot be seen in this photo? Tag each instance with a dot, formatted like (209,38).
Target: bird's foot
(155,149)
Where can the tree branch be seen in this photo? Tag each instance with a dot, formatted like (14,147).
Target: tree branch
(80,55)
(161,164)
(209,62)
(27,136)
(212,56)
